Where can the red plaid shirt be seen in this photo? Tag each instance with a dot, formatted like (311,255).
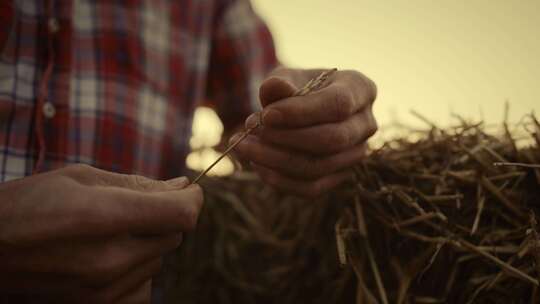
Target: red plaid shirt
(114,83)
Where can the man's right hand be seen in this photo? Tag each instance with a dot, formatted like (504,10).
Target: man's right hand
(85,235)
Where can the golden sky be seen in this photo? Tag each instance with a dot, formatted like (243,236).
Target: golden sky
(437,57)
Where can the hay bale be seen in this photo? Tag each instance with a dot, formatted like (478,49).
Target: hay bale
(431,220)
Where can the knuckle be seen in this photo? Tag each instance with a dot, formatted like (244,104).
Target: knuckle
(341,105)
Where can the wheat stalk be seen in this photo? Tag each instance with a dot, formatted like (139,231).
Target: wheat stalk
(312,85)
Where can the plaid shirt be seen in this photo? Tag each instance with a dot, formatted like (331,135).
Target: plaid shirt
(114,83)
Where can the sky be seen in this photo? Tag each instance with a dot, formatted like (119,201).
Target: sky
(432,56)
(437,57)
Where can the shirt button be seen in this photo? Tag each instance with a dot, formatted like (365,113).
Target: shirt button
(53,25)
(49,110)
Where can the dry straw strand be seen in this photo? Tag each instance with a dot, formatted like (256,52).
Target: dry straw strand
(402,212)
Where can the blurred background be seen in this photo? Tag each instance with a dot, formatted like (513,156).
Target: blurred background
(436,57)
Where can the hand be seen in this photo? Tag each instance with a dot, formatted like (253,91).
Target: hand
(84,235)
(307,143)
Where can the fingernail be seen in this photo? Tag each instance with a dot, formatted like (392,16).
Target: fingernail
(194,186)
(181,181)
(272,117)
(252,120)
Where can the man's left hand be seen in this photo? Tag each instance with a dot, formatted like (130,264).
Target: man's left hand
(307,144)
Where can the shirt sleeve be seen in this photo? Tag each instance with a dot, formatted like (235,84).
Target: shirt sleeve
(242,54)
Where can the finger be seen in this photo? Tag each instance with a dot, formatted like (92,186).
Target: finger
(324,139)
(348,93)
(96,177)
(298,165)
(90,262)
(141,183)
(141,295)
(127,285)
(311,189)
(106,211)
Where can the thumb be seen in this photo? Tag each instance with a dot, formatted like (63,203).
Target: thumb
(94,176)
(142,183)
(276,88)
